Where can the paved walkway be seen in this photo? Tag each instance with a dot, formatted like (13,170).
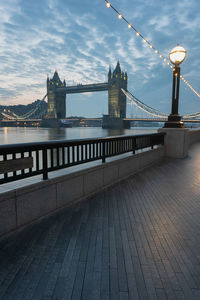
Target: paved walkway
(139,239)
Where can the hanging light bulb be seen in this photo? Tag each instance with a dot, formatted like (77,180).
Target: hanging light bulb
(178,51)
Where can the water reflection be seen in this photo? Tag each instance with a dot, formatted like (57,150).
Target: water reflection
(114,132)
(13,135)
(57,134)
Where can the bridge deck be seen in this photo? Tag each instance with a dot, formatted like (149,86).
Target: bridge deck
(136,240)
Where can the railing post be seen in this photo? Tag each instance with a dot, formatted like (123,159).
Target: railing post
(103,152)
(152,142)
(163,139)
(44,164)
(133,144)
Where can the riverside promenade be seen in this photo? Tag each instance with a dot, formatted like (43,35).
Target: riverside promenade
(139,239)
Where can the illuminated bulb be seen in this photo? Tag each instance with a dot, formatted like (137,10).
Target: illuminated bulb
(144,40)
(177,55)
(129,25)
(150,46)
(156,51)
(160,56)
(108,4)
(164,59)
(168,63)
(137,33)
(119,16)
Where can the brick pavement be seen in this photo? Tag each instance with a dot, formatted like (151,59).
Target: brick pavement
(139,239)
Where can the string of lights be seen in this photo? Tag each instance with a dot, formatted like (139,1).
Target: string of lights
(156,51)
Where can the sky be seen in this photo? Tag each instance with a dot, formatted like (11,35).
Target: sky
(81,38)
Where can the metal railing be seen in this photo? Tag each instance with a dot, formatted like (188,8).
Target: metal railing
(18,161)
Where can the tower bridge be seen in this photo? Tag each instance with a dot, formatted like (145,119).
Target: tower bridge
(117,98)
(117,80)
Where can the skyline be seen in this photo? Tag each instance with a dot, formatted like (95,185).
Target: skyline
(81,41)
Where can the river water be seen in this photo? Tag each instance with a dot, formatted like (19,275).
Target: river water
(13,135)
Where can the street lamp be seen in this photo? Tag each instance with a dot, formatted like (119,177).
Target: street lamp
(176,56)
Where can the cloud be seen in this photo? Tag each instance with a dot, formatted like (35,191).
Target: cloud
(81,41)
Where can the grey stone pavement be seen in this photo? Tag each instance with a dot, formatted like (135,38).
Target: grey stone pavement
(139,239)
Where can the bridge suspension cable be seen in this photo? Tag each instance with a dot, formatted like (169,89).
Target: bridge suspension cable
(156,51)
(192,116)
(8,116)
(143,106)
(152,111)
(25,116)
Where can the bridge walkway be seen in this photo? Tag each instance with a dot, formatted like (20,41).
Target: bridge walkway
(139,239)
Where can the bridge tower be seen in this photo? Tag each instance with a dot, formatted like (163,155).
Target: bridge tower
(56,100)
(116,99)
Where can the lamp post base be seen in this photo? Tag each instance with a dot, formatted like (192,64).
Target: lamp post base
(176,142)
(174,121)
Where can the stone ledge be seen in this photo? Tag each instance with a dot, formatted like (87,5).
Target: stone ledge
(41,199)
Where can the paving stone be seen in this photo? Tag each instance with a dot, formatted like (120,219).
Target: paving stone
(138,239)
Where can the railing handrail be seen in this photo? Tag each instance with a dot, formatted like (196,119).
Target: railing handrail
(73,141)
(18,161)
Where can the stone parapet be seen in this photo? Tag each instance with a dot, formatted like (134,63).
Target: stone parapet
(176,142)
(24,205)
(194,136)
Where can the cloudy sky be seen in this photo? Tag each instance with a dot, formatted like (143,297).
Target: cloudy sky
(81,38)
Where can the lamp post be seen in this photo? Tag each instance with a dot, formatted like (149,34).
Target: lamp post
(176,56)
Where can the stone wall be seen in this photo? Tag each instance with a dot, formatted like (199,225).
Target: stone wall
(22,206)
(194,136)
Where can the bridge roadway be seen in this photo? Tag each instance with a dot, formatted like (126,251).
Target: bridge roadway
(7,122)
(138,239)
(160,120)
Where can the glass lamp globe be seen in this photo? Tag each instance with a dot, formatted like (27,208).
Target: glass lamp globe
(177,55)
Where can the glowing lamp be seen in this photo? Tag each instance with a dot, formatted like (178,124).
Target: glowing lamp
(177,55)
